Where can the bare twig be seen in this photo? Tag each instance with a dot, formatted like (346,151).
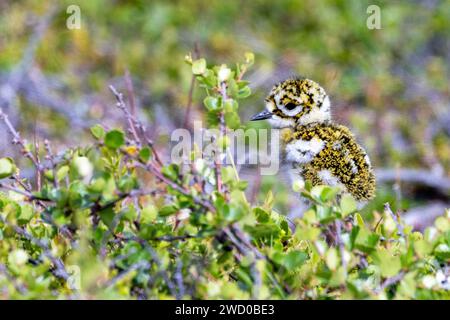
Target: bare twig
(150,167)
(51,158)
(131,96)
(38,161)
(257,281)
(135,124)
(130,119)
(174,238)
(341,245)
(390,281)
(19,287)
(223,132)
(136,266)
(18,140)
(27,191)
(179,279)
(187,116)
(158,262)
(22,192)
(59,268)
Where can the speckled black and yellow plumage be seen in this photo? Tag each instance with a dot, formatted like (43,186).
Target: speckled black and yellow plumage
(341,155)
(318,149)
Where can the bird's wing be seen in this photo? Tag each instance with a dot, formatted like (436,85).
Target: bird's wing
(344,161)
(329,154)
(303,151)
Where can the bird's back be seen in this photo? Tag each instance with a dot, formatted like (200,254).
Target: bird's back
(334,158)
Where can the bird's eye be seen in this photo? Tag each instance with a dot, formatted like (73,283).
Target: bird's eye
(290,106)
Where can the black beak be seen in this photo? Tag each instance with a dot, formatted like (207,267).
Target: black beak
(261,116)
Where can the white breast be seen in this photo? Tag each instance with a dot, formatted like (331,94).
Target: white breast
(303,151)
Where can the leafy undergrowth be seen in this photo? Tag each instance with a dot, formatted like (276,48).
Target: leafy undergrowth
(111,221)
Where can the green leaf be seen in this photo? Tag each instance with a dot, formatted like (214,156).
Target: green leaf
(324,214)
(442,223)
(232,120)
(231,105)
(268,231)
(348,205)
(422,248)
(307,233)
(242,185)
(145,154)
(353,235)
(328,193)
(7,167)
(199,66)
(18,257)
(98,132)
(269,200)
(332,258)
(232,212)
(62,172)
(366,240)
(148,214)
(389,264)
(167,210)
(249,58)
(26,213)
(127,183)
(171,171)
(316,192)
(261,215)
(97,185)
(244,92)
(298,185)
(442,251)
(223,74)
(292,259)
(211,103)
(114,139)
(359,220)
(233,88)
(107,216)
(209,78)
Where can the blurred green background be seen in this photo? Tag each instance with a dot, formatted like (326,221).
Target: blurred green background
(390,86)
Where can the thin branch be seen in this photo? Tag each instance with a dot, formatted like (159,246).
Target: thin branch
(179,279)
(391,281)
(51,158)
(136,266)
(223,132)
(257,280)
(150,167)
(341,245)
(135,124)
(158,262)
(131,96)
(22,192)
(60,270)
(38,161)
(18,140)
(19,287)
(130,119)
(187,116)
(174,238)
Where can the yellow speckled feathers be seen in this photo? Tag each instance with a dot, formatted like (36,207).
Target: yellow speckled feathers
(341,155)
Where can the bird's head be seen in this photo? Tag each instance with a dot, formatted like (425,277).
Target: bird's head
(295,102)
